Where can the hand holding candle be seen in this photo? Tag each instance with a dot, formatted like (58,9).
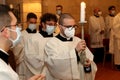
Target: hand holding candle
(82,17)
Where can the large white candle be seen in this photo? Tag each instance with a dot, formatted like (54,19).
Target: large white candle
(82,13)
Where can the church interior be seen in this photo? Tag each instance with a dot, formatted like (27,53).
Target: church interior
(21,8)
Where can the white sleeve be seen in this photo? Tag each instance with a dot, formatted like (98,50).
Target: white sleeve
(5,76)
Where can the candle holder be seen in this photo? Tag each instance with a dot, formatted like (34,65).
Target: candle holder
(82,29)
(83,57)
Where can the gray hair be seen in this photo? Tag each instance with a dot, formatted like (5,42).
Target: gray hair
(64,16)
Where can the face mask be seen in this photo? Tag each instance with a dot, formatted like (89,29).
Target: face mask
(113,12)
(20,28)
(17,40)
(59,12)
(32,27)
(99,13)
(50,29)
(69,32)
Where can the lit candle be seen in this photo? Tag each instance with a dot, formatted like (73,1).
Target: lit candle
(82,17)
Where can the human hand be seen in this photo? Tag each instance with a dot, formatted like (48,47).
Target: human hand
(37,77)
(81,45)
(88,62)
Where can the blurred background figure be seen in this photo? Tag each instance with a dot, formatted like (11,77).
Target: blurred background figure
(109,24)
(115,41)
(59,9)
(96,31)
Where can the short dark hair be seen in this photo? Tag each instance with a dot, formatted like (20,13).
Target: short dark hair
(48,17)
(5,18)
(31,15)
(111,7)
(64,16)
(59,6)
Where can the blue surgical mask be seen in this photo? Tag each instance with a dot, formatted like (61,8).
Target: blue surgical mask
(50,29)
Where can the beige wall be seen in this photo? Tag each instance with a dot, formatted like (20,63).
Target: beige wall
(2,1)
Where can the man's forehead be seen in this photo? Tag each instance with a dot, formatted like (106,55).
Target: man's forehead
(51,21)
(32,20)
(68,21)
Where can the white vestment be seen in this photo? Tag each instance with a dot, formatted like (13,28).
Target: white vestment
(96,25)
(34,54)
(19,53)
(6,72)
(115,39)
(61,61)
(109,24)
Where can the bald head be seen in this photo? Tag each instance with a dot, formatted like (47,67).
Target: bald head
(65,16)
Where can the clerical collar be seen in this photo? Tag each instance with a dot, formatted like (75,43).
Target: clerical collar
(63,38)
(45,34)
(96,16)
(4,56)
(30,31)
(111,15)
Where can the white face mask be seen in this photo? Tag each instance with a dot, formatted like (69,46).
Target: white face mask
(50,29)
(17,40)
(32,27)
(69,32)
(100,13)
(113,12)
(59,12)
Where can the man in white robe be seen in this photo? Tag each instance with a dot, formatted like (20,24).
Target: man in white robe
(19,49)
(96,31)
(9,37)
(34,47)
(109,24)
(115,41)
(67,55)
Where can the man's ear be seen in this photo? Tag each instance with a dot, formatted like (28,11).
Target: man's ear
(59,26)
(43,25)
(5,33)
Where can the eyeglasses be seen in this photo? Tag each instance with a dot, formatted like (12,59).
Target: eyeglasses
(7,26)
(70,27)
(11,25)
